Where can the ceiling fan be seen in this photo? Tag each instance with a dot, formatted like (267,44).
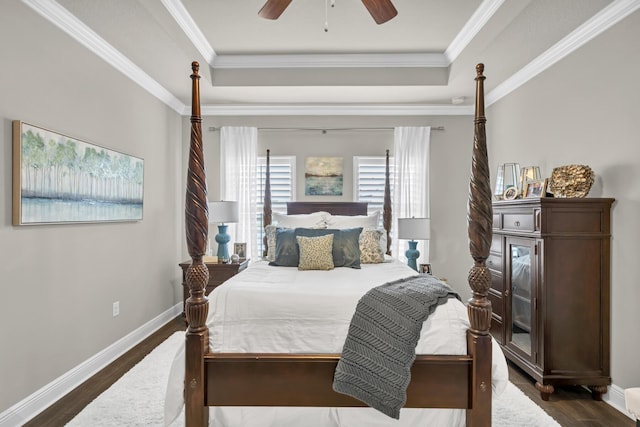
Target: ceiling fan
(381,10)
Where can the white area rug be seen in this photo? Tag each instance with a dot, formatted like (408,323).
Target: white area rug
(137,398)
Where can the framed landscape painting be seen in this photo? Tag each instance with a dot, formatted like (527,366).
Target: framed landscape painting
(60,179)
(323,176)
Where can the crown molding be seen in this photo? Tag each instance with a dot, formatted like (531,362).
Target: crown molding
(180,14)
(334,110)
(67,22)
(609,16)
(605,19)
(473,26)
(340,60)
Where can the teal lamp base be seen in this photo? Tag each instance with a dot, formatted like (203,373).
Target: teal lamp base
(412,254)
(222,238)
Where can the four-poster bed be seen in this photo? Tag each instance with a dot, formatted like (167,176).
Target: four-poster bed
(295,379)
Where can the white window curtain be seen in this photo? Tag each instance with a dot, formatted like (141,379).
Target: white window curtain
(238,160)
(411,183)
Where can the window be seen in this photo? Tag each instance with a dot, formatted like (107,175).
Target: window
(283,188)
(369,180)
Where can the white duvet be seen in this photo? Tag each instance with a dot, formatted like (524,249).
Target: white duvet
(268,309)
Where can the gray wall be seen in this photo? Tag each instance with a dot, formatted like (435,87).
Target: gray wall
(449,173)
(585,110)
(58,282)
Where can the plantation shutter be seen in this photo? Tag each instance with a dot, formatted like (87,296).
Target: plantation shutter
(369,182)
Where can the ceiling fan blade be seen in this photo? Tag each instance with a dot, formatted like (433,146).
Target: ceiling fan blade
(272,9)
(380,10)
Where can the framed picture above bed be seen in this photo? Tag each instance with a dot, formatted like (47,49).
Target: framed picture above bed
(323,176)
(61,179)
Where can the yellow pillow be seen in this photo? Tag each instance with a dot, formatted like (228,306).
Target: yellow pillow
(370,250)
(316,253)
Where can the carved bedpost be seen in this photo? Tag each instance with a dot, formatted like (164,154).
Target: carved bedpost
(480,223)
(197,276)
(266,208)
(386,211)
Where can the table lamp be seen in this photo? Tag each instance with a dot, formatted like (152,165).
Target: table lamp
(413,229)
(223,212)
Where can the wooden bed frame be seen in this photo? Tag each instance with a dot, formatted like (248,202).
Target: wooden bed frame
(242,379)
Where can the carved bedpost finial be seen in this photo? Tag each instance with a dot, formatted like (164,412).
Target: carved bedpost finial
(480,97)
(196,216)
(386,211)
(266,208)
(480,218)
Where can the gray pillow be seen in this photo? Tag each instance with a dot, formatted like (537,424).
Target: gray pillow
(287,253)
(346,244)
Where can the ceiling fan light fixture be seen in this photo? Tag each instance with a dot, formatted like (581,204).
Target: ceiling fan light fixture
(272,9)
(380,10)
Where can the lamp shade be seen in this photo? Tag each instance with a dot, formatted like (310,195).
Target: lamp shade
(414,228)
(223,211)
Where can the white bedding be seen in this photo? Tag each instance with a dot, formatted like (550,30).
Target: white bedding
(268,309)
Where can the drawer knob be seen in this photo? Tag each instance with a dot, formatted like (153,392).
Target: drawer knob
(517,223)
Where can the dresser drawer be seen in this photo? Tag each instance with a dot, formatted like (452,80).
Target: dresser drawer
(494,262)
(497,221)
(496,244)
(518,222)
(497,305)
(497,329)
(221,276)
(496,281)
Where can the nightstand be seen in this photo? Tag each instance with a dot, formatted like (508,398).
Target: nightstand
(218,274)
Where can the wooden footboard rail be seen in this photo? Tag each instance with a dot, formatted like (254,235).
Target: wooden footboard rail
(306,380)
(437,381)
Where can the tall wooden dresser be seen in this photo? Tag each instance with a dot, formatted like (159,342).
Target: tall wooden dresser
(550,262)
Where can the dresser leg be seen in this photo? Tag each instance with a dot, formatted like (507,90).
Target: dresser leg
(597,391)
(545,390)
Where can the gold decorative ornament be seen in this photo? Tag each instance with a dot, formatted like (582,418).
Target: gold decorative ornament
(571,181)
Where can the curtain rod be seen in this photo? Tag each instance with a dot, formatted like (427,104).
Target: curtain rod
(325,130)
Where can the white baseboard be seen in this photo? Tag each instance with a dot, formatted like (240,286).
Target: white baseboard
(615,398)
(26,409)
(32,405)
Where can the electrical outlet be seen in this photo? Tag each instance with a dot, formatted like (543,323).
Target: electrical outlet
(116,308)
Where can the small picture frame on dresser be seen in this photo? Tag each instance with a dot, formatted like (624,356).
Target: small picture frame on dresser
(537,188)
(425,268)
(240,249)
(510,193)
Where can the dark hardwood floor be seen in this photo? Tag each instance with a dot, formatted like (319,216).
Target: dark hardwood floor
(570,406)
(69,406)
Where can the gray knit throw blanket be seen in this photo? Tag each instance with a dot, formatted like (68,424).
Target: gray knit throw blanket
(381,343)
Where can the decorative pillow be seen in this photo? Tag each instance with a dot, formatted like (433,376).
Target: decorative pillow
(286,254)
(270,232)
(367,222)
(346,246)
(316,252)
(312,220)
(370,250)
